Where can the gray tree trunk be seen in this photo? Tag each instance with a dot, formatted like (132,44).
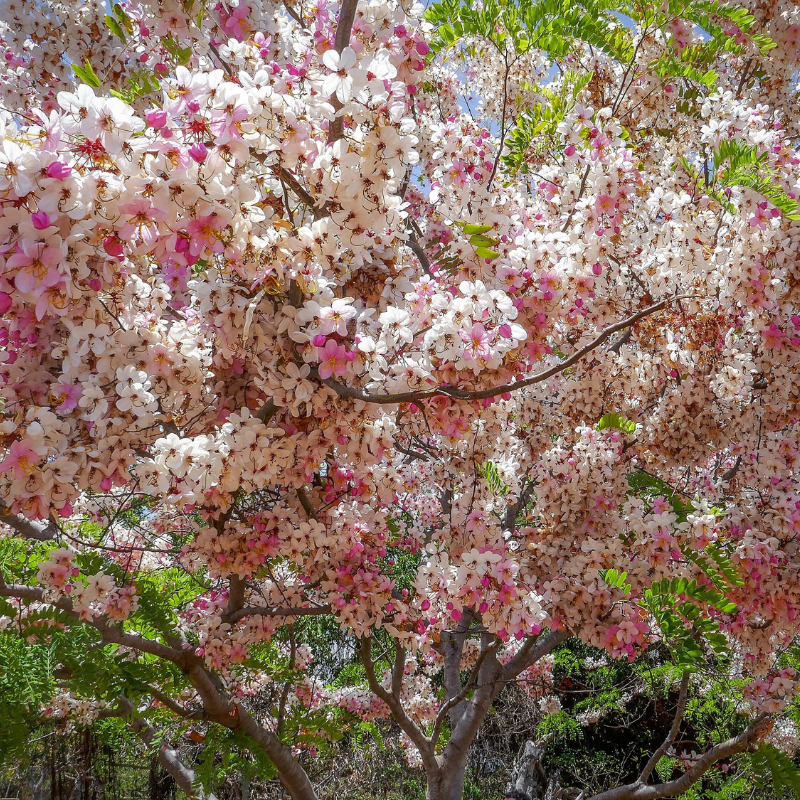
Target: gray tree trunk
(530,782)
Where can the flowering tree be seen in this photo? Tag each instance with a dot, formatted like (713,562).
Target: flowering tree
(472,329)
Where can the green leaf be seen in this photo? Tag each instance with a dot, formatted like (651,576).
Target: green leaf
(86,74)
(770,762)
(115,28)
(180,54)
(483,241)
(122,16)
(496,484)
(471,229)
(482,252)
(616,579)
(616,421)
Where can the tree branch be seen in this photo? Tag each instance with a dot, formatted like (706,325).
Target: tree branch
(484,394)
(530,652)
(235,595)
(169,758)
(277,611)
(344,29)
(454,701)
(111,634)
(408,726)
(39,531)
(738,744)
(673,733)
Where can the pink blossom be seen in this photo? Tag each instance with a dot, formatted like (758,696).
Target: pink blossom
(37,266)
(604,204)
(21,458)
(64,396)
(144,219)
(334,359)
(204,232)
(477,342)
(773,337)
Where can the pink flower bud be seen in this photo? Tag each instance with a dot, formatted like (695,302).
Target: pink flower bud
(113,246)
(40,220)
(58,170)
(5,302)
(199,152)
(157,118)
(422,48)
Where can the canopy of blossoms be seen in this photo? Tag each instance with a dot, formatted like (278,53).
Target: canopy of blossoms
(293,297)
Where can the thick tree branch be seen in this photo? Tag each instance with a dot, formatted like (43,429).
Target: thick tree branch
(454,701)
(407,725)
(112,634)
(531,651)
(235,595)
(738,744)
(419,252)
(173,705)
(170,759)
(302,496)
(39,531)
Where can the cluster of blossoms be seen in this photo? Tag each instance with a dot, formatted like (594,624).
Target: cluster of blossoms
(291,296)
(92,595)
(77,710)
(773,693)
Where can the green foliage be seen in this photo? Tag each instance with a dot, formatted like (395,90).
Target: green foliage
(120,23)
(554,26)
(496,485)
(617,580)
(773,765)
(480,242)
(86,74)
(139,85)
(737,164)
(560,727)
(678,605)
(616,421)
(115,27)
(665,767)
(225,751)
(649,487)
(717,565)
(676,66)
(181,55)
(25,684)
(537,124)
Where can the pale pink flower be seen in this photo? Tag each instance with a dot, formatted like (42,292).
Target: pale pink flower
(21,459)
(335,359)
(37,266)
